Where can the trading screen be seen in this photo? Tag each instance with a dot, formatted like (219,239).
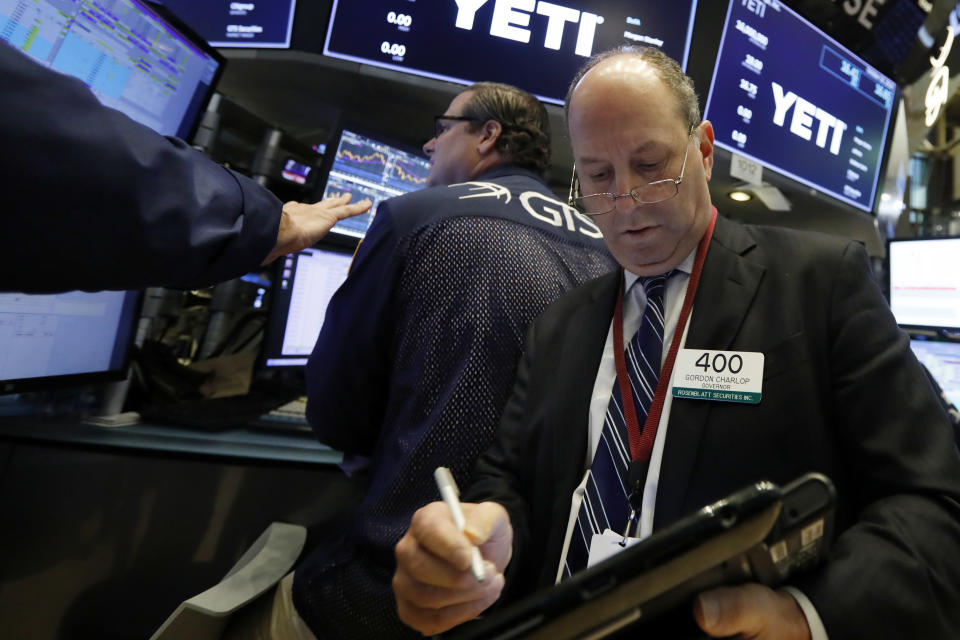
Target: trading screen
(131,60)
(368,168)
(468,42)
(942,359)
(788,96)
(925,282)
(306,283)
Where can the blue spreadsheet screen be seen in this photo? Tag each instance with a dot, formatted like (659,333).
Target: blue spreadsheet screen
(129,57)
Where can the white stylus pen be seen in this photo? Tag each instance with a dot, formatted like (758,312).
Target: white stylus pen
(451,496)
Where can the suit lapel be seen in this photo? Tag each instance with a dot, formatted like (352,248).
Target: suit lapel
(584,335)
(727,289)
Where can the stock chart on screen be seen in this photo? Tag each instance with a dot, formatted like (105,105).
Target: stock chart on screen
(369,168)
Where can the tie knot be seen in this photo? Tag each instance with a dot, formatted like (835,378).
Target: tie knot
(653,285)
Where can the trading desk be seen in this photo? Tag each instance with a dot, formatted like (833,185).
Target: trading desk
(107,529)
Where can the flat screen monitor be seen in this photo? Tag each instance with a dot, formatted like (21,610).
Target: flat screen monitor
(791,98)
(136,57)
(942,360)
(53,340)
(369,167)
(294,171)
(535,45)
(924,279)
(261,25)
(304,283)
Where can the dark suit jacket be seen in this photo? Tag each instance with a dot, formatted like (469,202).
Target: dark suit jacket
(842,394)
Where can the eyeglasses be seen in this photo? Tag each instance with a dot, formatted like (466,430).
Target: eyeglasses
(597,204)
(442,123)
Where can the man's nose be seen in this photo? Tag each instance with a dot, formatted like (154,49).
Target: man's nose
(625,201)
(428,146)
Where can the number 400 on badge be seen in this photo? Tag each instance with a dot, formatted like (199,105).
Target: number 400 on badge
(727,376)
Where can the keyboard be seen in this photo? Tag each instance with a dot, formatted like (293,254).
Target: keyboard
(294,412)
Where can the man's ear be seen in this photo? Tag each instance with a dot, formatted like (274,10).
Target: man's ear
(490,133)
(705,133)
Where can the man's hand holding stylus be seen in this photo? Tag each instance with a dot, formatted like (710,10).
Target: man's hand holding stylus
(434,585)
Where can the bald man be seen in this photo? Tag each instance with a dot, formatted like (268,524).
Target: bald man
(841,394)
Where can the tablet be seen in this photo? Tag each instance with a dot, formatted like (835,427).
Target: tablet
(763,533)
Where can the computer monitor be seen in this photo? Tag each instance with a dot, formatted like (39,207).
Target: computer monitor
(537,46)
(942,360)
(788,96)
(54,340)
(140,60)
(243,23)
(136,57)
(304,283)
(924,282)
(368,166)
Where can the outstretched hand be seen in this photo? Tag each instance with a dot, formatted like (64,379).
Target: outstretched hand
(303,225)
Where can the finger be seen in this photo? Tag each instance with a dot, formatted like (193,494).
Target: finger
(488,526)
(427,568)
(752,610)
(428,596)
(434,531)
(346,211)
(429,621)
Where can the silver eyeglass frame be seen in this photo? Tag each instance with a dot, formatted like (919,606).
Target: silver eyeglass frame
(633,193)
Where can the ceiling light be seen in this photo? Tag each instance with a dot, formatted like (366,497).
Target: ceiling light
(740,196)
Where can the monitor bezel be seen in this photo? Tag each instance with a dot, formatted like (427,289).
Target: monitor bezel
(200,43)
(133,304)
(946,333)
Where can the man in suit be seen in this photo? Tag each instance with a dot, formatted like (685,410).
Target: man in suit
(841,394)
(419,347)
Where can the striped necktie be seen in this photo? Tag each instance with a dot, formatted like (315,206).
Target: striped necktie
(605,501)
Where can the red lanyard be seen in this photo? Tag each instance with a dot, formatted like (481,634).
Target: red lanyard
(641,442)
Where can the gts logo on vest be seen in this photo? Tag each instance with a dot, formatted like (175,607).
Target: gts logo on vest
(512,17)
(803,114)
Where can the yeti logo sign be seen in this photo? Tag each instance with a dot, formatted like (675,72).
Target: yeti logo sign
(804,112)
(511,20)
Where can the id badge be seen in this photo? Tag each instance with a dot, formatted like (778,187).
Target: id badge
(727,376)
(606,545)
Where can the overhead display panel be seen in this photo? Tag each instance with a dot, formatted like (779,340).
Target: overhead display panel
(532,44)
(790,97)
(264,24)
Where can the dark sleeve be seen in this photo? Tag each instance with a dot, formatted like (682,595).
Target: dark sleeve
(93,200)
(347,374)
(499,469)
(895,573)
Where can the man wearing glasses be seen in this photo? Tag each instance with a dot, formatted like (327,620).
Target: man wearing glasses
(841,394)
(419,347)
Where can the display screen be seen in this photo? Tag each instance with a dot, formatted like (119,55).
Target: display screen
(295,171)
(130,56)
(535,45)
(304,284)
(925,282)
(793,99)
(370,168)
(225,23)
(48,338)
(942,360)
